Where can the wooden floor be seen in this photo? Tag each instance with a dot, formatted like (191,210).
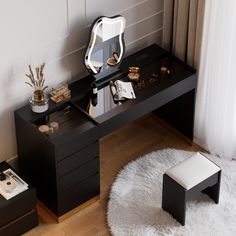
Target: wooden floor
(128,143)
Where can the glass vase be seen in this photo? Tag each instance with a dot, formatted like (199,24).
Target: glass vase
(39,102)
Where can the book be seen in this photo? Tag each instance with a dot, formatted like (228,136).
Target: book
(11,184)
(122,90)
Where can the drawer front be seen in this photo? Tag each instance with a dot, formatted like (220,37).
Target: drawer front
(78,175)
(20,225)
(77,159)
(76,143)
(78,194)
(17,206)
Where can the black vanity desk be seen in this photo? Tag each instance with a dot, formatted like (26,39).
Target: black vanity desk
(64,165)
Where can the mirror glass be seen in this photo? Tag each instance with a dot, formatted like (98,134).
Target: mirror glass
(106,46)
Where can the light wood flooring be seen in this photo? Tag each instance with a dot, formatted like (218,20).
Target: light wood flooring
(117,149)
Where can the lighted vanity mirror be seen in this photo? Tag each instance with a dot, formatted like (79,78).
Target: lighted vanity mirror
(106,46)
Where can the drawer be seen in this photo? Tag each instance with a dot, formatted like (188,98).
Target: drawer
(78,139)
(17,206)
(20,225)
(78,194)
(75,130)
(77,159)
(78,175)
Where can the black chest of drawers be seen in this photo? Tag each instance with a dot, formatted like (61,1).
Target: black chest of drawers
(64,165)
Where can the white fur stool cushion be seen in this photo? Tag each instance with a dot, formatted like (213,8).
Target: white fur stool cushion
(192,171)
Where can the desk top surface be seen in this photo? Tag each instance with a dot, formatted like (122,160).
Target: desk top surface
(151,82)
(83,115)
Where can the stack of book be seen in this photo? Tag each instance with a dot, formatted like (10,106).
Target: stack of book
(11,184)
(60,93)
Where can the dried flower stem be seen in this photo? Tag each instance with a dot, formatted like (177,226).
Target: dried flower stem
(38,82)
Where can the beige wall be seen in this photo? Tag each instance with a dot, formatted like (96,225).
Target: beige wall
(55,32)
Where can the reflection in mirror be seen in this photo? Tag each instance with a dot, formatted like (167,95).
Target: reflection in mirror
(103,104)
(106,46)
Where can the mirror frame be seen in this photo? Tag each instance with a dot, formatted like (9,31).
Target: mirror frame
(93,35)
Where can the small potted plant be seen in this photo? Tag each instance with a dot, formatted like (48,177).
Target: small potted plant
(39,101)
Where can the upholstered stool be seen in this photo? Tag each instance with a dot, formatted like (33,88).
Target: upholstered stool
(185,180)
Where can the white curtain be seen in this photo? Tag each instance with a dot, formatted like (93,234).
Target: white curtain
(215,112)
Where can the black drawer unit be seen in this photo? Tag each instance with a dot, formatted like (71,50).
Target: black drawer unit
(18,214)
(57,161)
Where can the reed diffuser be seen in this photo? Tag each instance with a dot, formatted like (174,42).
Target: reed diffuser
(39,100)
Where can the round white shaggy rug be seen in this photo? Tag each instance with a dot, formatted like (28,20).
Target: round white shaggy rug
(134,208)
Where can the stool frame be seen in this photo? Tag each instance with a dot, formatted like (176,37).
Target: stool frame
(175,196)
